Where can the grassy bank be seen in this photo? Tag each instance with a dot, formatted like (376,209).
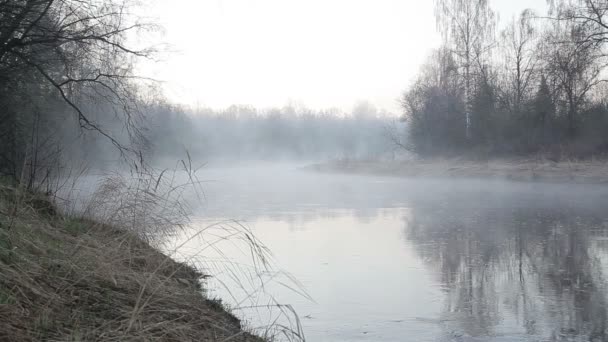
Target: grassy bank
(69,279)
(536,169)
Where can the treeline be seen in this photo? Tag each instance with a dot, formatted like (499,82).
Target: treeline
(69,97)
(535,86)
(247,133)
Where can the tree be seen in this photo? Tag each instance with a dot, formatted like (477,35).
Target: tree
(544,108)
(483,108)
(575,67)
(521,61)
(73,51)
(434,107)
(541,95)
(589,15)
(468,28)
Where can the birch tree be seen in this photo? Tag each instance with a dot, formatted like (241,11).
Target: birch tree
(468,29)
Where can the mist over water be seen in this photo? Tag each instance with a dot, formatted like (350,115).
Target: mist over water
(392,259)
(117,143)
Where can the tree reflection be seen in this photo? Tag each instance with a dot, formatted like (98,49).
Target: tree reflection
(534,271)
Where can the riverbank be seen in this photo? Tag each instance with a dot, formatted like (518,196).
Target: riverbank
(70,279)
(591,171)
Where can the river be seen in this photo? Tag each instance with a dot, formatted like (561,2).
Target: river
(371,258)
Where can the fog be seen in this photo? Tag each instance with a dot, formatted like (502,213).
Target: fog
(444,177)
(244,133)
(430,259)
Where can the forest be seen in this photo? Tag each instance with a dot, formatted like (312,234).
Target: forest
(534,85)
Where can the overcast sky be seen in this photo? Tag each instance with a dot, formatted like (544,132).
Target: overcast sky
(318,53)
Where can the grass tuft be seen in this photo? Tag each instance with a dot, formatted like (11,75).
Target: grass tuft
(73,279)
(75,270)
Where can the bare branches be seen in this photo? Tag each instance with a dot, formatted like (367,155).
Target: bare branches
(518,43)
(81,49)
(590,16)
(573,60)
(468,29)
(84,121)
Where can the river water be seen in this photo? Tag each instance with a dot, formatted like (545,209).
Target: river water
(370,258)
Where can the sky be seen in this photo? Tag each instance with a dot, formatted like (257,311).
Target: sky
(313,53)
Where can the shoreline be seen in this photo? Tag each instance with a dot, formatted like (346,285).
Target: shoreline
(73,279)
(521,170)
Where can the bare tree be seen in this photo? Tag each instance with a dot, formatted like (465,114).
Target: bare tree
(519,42)
(78,48)
(68,56)
(575,68)
(434,106)
(468,28)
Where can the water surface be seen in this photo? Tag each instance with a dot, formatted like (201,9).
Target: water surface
(390,259)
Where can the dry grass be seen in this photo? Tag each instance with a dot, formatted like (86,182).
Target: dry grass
(215,248)
(93,270)
(155,206)
(65,279)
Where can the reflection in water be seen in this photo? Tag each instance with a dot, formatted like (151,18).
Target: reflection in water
(388,259)
(541,268)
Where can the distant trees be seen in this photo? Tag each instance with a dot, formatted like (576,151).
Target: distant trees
(246,133)
(536,89)
(62,56)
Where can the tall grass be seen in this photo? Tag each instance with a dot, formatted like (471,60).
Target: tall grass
(146,206)
(219,249)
